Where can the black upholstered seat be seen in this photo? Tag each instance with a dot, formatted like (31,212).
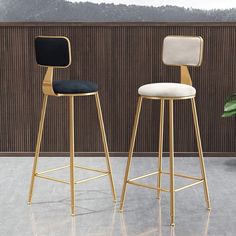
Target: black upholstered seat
(74,86)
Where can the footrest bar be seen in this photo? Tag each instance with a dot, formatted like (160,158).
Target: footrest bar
(147,186)
(144,176)
(167,173)
(50,178)
(91,169)
(91,178)
(54,169)
(182,175)
(76,166)
(189,185)
(67,182)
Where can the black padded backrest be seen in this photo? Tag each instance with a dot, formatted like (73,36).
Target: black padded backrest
(53,51)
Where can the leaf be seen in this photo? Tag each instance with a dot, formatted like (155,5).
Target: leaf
(229,106)
(229,113)
(231,97)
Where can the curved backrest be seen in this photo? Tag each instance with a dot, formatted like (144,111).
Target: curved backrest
(53,51)
(182,50)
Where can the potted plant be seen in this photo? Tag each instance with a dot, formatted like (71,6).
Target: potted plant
(230,106)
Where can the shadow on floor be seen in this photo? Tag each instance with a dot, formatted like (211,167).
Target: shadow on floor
(230,164)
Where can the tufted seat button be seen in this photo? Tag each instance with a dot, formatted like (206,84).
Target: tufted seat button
(167,90)
(74,86)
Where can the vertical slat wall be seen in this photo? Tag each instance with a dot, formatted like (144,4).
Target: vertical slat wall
(120,58)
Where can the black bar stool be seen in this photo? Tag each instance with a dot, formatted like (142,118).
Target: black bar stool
(55,52)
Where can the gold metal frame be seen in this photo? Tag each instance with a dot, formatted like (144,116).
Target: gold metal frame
(185,78)
(72,180)
(172,190)
(162,104)
(48,91)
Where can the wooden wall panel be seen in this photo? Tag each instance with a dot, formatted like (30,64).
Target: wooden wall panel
(120,58)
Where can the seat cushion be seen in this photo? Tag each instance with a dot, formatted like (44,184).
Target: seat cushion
(167,90)
(74,86)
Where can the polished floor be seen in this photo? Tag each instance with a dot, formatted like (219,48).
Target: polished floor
(98,215)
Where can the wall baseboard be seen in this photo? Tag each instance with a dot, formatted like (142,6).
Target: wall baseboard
(115,154)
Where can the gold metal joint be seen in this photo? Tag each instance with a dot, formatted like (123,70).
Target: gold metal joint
(47,82)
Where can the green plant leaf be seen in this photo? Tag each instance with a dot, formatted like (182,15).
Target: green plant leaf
(229,113)
(231,97)
(229,106)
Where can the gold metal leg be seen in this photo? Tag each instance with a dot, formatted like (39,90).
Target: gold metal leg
(104,140)
(136,120)
(160,146)
(200,152)
(40,132)
(171,143)
(72,153)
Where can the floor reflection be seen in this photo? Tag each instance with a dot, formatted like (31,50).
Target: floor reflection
(96,214)
(145,221)
(73,226)
(160,229)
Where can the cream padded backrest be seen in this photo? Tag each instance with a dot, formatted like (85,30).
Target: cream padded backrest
(182,50)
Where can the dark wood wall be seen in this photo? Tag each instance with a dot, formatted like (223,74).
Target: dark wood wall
(120,57)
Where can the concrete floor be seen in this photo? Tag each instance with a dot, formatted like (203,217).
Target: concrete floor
(96,212)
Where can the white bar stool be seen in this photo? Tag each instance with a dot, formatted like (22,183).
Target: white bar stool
(177,51)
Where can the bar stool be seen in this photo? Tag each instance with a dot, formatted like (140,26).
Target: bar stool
(55,52)
(177,51)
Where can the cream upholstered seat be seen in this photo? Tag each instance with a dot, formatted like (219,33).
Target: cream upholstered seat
(178,51)
(167,90)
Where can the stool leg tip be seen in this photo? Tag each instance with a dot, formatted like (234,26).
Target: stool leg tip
(172,224)
(121,210)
